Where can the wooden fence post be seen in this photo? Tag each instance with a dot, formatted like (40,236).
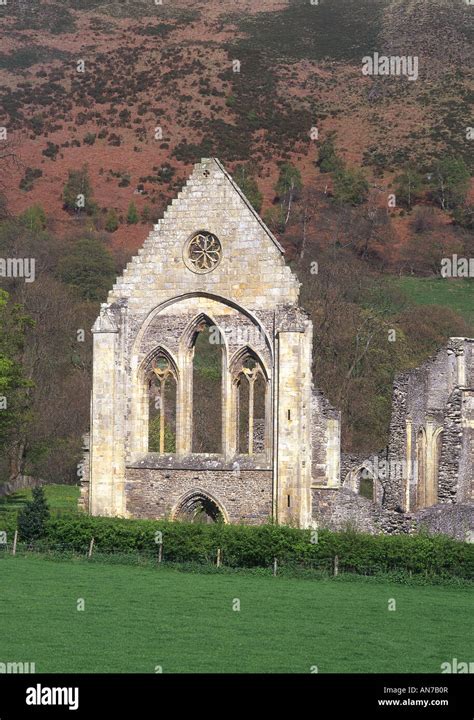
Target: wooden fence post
(336,566)
(91,547)
(218,557)
(15,538)
(275,567)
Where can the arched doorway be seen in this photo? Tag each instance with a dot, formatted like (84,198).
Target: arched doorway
(364,482)
(198,507)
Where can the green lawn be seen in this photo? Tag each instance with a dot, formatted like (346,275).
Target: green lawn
(455,294)
(61,498)
(137,618)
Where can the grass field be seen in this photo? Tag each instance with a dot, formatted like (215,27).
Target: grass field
(455,294)
(61,498)
(137,618)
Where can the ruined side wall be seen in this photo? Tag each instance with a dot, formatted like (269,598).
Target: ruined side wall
(452,450)
(430,398)
(397,447)
(343,509)
(246,497)
(325,441)
(466,471)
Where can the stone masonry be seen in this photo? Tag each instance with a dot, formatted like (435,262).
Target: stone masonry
(212,263)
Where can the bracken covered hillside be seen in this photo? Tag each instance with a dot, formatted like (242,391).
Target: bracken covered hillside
(365,179)
(158,91)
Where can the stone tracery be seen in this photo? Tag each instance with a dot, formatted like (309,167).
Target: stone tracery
(204,252)
(280,456)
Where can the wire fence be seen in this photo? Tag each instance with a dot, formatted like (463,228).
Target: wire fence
(156,556)
(216,561)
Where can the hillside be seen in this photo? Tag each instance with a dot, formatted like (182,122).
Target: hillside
(366,179)
(167,71)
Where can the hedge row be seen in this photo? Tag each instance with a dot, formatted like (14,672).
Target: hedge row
(245,546)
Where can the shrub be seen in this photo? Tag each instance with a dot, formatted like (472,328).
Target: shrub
(145,214)
(111,221)
(132,214)
(77,193)
(31,174)
(32,519)
(89,138)
(37,123)
(464,217)
(247,546)
(34,218)
(89,268)
(350,186)
(51,150)
(328,160)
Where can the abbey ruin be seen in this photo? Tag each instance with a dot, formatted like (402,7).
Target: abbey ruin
(212,276)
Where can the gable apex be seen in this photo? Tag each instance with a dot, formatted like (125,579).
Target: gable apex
(244,199)
(209,239)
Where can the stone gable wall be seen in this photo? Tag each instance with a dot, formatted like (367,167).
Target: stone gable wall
(252,270)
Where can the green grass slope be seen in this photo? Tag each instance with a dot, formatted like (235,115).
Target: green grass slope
(455,294)
(137,618)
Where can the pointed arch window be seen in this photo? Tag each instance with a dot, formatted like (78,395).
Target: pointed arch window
(207,392)
(421,468)
(162,383)
(428,455)
(251,385)
(437,445)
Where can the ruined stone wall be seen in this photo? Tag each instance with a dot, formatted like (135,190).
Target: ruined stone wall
(466,469)
(343,509)
(20,483)
(84,474)
(468,350)
(351,462)
(245,496)
(449,474)
(397,447)
(455,520)
(156,304)
(325,442)
(425,400)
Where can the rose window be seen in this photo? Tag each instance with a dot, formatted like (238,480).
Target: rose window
(203,252)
